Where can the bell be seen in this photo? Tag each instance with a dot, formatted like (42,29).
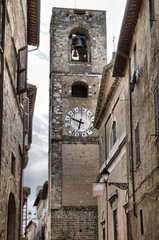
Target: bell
(75,53)
(79,43)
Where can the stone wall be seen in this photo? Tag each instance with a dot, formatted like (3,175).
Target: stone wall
(74,223)
(12,125)
(146,172)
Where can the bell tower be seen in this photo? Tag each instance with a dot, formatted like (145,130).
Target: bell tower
(77,57)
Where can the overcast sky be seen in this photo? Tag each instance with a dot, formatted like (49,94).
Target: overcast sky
(36,172)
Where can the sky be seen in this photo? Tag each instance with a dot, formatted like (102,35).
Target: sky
(36,172)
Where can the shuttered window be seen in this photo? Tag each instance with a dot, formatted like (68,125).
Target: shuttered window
(137,145)
(115,224)
(22,70)
(26,115)
(156,101)
(151,12)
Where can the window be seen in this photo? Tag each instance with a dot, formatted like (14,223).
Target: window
(115,224)
(22,71)
(137,145)
(2,22)
(151,12)
(80,89)
(156,101)
(113,133)
(13,165)
(141,222)
(26,121)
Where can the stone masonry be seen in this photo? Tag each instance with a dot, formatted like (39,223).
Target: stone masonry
(74,161)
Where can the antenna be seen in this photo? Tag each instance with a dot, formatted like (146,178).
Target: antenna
(75,3)
(113,43)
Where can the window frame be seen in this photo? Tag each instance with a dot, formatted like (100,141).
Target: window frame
(22,70)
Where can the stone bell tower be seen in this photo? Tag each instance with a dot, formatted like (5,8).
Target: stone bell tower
(77,57)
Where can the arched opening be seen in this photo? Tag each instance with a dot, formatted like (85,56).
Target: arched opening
(79,45)
(80,90)
(11,218)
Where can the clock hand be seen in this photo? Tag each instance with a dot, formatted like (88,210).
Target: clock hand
(80,121)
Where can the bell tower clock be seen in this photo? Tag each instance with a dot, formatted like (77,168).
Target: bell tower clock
(77,58)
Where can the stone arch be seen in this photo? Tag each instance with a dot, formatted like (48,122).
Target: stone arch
(11,218)
(79,45)
(79,89)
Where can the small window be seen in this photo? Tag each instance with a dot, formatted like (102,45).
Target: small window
(80,90)
(137,145)
(13,165)
(113,133)
(115,224)
(151,12)
(2,23)
(141,222)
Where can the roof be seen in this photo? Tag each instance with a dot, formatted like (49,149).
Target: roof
(33,30)
(42,195)
(127,30)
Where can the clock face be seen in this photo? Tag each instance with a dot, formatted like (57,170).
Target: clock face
(79,122)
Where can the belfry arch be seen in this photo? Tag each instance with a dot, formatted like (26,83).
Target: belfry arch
(79,45)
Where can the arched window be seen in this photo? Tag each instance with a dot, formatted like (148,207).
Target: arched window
(80,90)
(79,45)
(113,133)
(11,222)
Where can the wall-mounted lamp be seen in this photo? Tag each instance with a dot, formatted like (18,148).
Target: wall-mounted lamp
(105,177)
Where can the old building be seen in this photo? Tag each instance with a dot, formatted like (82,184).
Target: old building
(110,119)
(137,61)
(38,226)
(77,55)
(19,27)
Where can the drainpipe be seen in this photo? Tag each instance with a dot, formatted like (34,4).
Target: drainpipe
(131,139)
(2,74)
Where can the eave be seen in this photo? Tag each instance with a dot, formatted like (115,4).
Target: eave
(127,30)
(33,21)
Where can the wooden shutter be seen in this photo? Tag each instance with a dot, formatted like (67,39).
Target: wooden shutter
(137,145)
(26,116)
(22,70)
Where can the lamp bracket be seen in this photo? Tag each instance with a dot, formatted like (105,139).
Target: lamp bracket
(123,186)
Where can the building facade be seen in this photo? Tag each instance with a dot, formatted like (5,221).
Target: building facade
(110,119)
(137,61)
(19,27)
(77,57)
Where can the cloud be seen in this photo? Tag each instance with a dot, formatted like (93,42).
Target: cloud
(42,55)
(36,172)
